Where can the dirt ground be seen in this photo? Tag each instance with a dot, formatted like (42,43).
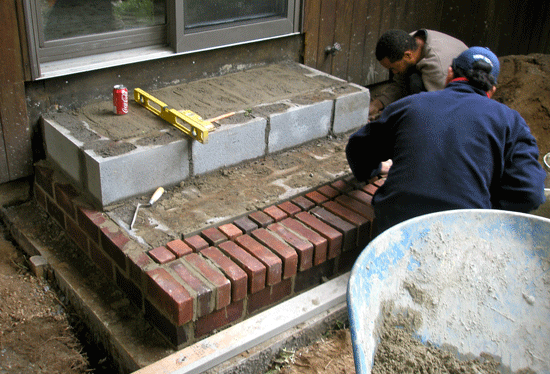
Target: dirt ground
(35,333)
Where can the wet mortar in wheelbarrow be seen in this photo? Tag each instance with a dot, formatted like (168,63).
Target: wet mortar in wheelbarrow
(473,282)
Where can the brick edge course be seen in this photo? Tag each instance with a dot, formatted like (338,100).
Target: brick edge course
(335,220)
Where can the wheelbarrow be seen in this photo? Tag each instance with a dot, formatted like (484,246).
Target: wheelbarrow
(479,280)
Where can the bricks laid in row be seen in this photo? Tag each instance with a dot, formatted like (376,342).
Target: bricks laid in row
(191,286)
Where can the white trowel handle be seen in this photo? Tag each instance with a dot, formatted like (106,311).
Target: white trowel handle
(158,193)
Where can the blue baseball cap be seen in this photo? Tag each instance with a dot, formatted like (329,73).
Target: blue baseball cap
(466,59)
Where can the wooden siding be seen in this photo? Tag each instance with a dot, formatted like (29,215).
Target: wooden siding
(15,134)
(507,27)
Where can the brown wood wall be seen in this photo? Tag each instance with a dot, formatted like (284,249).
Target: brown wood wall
(15,133)
(507,27)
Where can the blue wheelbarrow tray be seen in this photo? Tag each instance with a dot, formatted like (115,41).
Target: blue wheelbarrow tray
(478,279)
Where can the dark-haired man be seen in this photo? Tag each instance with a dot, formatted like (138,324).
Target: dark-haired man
(417,62)
(451,149)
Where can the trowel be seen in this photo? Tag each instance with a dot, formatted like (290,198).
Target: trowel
(158,193)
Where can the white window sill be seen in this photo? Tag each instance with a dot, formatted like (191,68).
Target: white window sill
(106,60)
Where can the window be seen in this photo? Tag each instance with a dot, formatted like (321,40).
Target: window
(79,30)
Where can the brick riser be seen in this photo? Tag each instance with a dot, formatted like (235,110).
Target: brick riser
(192,286)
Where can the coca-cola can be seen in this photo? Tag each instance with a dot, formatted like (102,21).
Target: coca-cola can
(120,99)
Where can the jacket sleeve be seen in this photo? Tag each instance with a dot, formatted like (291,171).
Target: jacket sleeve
(368,147)
(392,91)
(522,183)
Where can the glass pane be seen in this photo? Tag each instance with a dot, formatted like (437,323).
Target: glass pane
(203,13)
(69,18)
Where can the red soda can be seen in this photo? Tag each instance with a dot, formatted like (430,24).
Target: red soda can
(120,99)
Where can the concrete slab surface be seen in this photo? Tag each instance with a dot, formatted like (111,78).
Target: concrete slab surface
(276,107)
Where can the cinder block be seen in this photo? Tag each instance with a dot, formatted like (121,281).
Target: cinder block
(351,110)
(63,149)
(229,145)
(298,125)
(135,173)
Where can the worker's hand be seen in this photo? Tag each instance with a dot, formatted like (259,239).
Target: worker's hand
(385,169)
(375,108)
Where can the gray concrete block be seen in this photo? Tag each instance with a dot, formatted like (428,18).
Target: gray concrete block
(298,125)
(351,110)
(63,149)
(135,173)
(229,145)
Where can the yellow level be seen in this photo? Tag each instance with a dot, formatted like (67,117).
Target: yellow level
(187,121)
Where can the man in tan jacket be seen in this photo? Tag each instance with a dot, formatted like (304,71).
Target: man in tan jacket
(418,61)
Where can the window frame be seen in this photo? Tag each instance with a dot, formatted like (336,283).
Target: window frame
(83,53)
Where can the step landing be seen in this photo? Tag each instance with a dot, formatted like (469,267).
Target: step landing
(277,107)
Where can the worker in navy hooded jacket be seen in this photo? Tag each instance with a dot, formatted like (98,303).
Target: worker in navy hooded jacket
(450,149)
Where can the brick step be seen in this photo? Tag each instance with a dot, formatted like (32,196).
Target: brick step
(193,286)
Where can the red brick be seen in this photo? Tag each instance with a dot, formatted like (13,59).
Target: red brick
(341,186)
(89,221)
(40,196)
(113,242)
(275,212)
(272,262)
(303,202)
(237,276)
(380,182)
(363,225)
(304,248)
(77,235)
(64,196)
(43,176)
(219,319)
(287,254)
(245,224)
(130,289)
(290,208)
(365,210)
(136,266)
(319,243)
(370,189)
(162,255)
(361,196)
(260,218)
(196,242)
(213,236)
(269,296)
(201,292)
(170,296)
(179,248)
(255,270)
(102,261)
(333,236)
(55,212)
(230,230)
(328,191)
(348,230)
(316,197)
(222,285)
